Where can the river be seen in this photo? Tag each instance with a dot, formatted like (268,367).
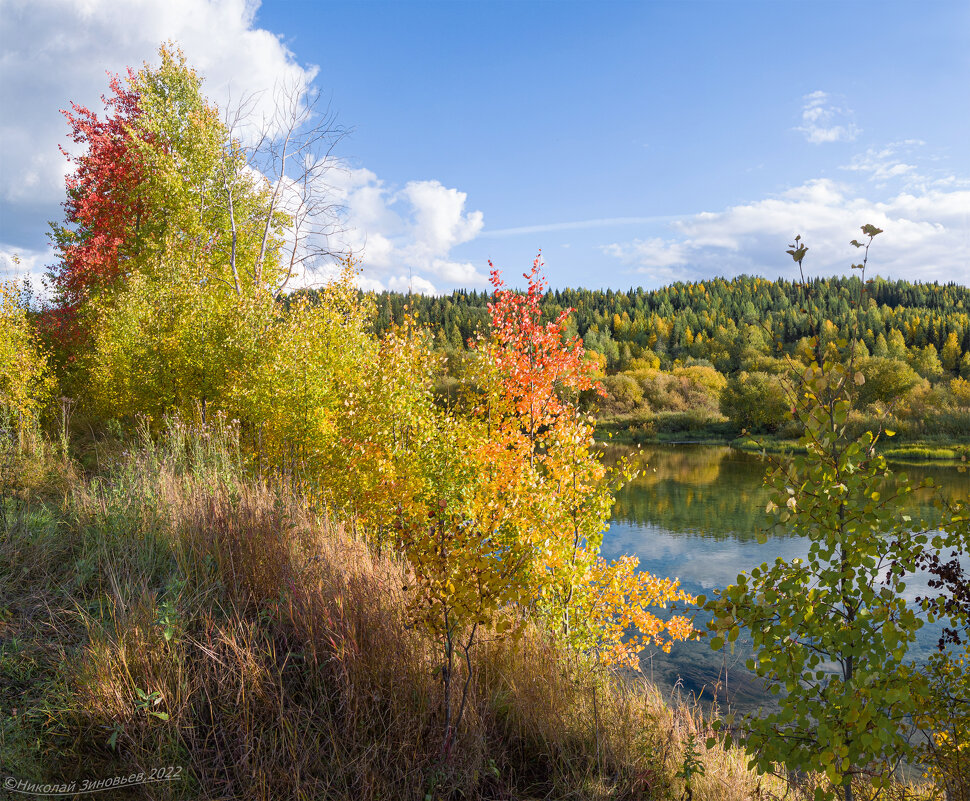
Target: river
(694,513)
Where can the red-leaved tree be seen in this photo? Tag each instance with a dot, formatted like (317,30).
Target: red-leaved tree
(538,365)
(543,462)
(103,211)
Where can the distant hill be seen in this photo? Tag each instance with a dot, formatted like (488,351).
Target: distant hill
(718,320)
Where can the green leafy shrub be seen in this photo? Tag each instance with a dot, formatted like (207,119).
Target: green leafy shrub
(755,401)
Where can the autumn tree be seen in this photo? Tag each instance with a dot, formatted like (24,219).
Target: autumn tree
(160,180)
(500,512)
(539,373)
(448,480)
(950,353)
(468,568)
(831,633)
(533,375)
(26,380)
(105,210)
(755,401)
(170,252)
(886,381)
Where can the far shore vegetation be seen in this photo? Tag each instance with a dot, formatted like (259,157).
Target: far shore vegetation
(704,362)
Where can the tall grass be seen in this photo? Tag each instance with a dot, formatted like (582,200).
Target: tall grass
(173,611)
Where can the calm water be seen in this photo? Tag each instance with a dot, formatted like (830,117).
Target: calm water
(694,513)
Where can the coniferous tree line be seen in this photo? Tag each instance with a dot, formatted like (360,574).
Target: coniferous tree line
(713,319)
(711,354)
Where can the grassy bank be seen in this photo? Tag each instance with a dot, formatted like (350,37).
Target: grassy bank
(683,429)
(168,611)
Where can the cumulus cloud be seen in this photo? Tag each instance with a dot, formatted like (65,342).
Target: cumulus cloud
(412,228)
(824,122)
(411,283)
(440,218)
(58,51)
(925,236)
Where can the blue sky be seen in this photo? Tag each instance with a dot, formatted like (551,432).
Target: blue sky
(635,143)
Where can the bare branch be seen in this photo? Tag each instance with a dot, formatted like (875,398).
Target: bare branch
(292,148)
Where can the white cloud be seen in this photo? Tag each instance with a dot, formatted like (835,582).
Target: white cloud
(439,217)
(824,122)
(904,164)
(411,283)
(661,259)
(57,51)
(925,237)
(880,164)
(415,227)
(647,253)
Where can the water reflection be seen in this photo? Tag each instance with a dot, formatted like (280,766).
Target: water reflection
(719,492)
(694,513)
(702,491)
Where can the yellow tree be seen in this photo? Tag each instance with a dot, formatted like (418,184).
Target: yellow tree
(467,562)
(26,381)
(950,354)
(559,490)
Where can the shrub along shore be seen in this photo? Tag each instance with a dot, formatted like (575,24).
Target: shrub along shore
(633,430)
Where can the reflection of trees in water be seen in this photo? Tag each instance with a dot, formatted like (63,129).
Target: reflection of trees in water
(719,492)
(700,490)
(685,464)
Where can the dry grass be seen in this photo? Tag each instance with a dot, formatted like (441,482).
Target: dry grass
(173,612)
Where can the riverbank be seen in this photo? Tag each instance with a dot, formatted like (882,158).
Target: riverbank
(170,611)
(637,431)
(173,613)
